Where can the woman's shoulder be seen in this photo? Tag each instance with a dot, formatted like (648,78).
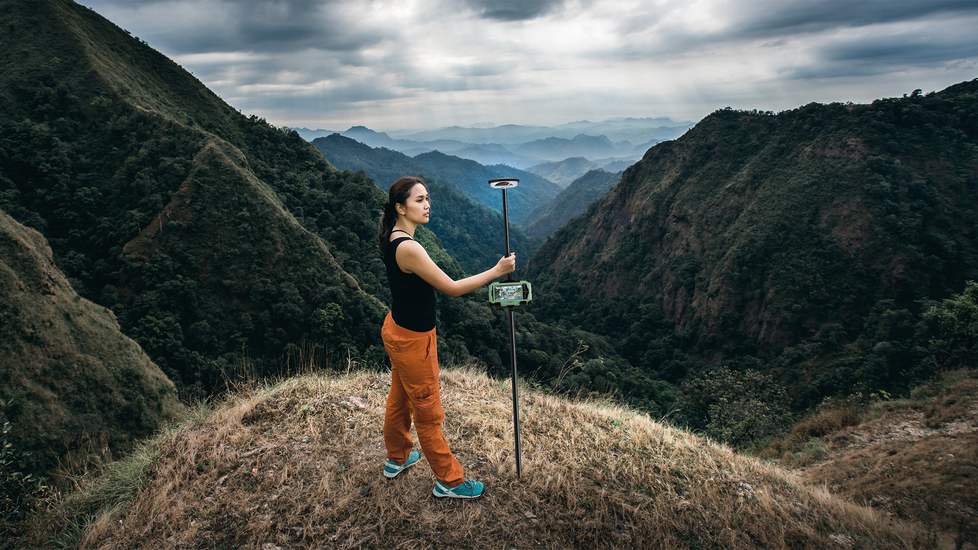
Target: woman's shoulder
(406,244)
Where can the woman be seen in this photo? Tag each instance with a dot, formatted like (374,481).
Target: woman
(411,343)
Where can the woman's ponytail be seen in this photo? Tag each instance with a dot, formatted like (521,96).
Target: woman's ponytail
(387,221)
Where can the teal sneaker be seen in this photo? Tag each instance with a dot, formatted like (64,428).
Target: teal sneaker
(393,469)
(469,490)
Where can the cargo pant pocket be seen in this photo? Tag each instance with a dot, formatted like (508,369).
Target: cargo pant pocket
(427,410)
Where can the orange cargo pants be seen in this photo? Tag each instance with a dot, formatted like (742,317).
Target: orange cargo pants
(415,393)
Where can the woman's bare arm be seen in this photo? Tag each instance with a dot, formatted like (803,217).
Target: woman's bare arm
(412,258)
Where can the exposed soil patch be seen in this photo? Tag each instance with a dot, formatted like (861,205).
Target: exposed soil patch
(919,463)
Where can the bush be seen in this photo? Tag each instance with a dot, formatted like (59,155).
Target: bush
(20,491)
(738,408)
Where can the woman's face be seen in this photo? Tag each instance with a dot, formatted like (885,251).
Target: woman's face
(418,205)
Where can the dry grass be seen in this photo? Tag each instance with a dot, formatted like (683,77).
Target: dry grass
(913,460)
(298,465)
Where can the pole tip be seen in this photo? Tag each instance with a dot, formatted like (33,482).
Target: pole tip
(503,183)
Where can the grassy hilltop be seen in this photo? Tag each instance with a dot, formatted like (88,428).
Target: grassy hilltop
(910,458)
(297,465)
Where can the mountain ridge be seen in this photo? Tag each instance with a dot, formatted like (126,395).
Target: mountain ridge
(756,233)
(572,201)
(114,153)
(75,389)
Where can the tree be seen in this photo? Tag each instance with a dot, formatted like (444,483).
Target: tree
(954,328)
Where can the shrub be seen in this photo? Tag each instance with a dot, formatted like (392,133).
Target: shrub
(19,491)
(738,408)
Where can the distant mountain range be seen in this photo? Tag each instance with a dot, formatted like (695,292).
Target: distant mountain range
(536,198)
(566,171)
(622,140)
(467,177)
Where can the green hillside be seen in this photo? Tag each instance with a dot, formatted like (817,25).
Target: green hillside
(212,236)
(806,243)
(73,388)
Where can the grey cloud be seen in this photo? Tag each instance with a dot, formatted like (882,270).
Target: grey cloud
(305,58)
(347,94)
(296,25)
(321,100)
(252,25)
(902,52)
(776,18)
(885,55)
(816,22)
(896,49)
(484,69)
(513,10)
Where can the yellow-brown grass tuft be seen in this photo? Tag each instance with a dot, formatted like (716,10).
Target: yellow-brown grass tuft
(298,465)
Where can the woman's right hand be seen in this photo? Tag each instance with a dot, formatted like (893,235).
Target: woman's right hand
(506,264)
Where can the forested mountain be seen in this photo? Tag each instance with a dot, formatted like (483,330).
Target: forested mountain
(211,235)
(470,232)
(806,243)
(468,177)
(571,202)
(73,388)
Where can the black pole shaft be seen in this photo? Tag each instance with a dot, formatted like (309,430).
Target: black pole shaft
(516,395)
(506,230)
(512,351)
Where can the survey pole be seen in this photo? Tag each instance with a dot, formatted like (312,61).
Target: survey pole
(508,296)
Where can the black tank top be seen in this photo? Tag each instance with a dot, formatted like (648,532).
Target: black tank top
(413,304)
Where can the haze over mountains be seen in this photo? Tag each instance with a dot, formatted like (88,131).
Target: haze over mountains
(604,143)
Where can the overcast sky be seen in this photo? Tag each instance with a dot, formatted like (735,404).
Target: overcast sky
(424,64)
